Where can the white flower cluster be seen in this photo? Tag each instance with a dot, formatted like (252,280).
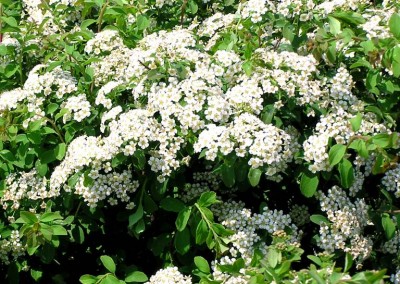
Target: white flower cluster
(376,25)
(104,41)
(228,278)
(112,185)
(42,15)
(169,275)
(292,73)
(10,100)
(246,226)
(336,125)
(328,6)
(340,91)
(255,9)
(211,25)
(27,185)
(11,246)
(266,144)
(348,220)
(391,181)
(78,108)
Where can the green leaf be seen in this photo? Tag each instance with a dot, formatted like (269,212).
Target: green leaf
(308,183)
(135,217)
(228,175)
(59,230)
(172,204)
(389,227)
(142,22)
(202,264)
(334,25)
(360,146)
(254,176)
(315,259)
(136,276)
(59,151)
(27,218)
(182,241)
(12,22)
(318,219)
(110,279)
(50,216)
(88,279)
(183,218)
(336,154)
(356,122)
(108,263)
(382,140)
(201,232)
(36,274)
(207,198)
(274,257)
(348,262)
(346,172)
(394,25)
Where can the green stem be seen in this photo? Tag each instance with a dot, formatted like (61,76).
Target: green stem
(204,217)
(54,127)
(1,23)
(102,11)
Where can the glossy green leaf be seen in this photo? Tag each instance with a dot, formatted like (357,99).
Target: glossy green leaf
(309,183)
(183,218)
(108,263)
(336,154)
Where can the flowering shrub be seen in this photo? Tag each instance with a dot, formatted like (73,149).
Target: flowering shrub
(199,141)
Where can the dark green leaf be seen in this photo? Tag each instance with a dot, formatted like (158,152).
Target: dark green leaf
(182,241)
(183,218)
(172,204)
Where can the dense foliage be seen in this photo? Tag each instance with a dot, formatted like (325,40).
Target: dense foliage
(199,141)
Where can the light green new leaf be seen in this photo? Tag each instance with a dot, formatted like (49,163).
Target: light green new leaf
(108,263)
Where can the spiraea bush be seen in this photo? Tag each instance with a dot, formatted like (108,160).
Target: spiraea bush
(199,141)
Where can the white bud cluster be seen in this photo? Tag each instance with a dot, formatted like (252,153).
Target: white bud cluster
(246,226)
(299,214)
(391,181)
(395,278)
(347,223)
(392,246)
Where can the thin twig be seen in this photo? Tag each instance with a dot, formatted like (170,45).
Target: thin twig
(102,11)
(54,127)
(183,8)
